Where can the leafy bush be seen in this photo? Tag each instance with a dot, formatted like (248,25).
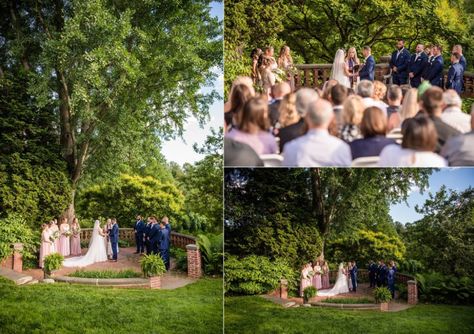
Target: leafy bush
(254,275)
(152,265)
(53,262)
(124,243)
(402,291)
(127,273)
(309,292)
(363,300)
(382,295)
(443,289)
(13,229)
(181,258)
(211,248)
(411,266)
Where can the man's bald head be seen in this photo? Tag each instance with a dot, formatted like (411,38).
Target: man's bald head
(304,97)
(280,90)
(319,114)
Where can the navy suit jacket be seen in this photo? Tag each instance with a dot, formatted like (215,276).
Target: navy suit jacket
(401,63)
(455,77)
(367,71)
(435,72)
(419,65)
(154,233)
(147,229)
(114,233)
(463,62)
(164,238)
(140,226)
(353,272)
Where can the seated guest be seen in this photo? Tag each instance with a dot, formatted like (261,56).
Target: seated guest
(237,154)
(373,127)
(253,127)
(408,109)
(317,147)
(459,150)
(353,109)
(419,141)
(304,97)
(394,98)
(278,92)
(452,113)
(287,111)
(327,87)
(365,89)
(337,97)
(380,92)
(432,104)
(240,94)
(247,81)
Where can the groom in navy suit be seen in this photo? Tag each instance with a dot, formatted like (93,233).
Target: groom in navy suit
(417,65)
(435,72)
(399,64)
(353,272)
(367,72)
(114,235)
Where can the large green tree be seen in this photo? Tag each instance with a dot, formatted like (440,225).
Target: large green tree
(116,75)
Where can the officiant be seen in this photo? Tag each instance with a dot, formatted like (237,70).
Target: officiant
(399,64)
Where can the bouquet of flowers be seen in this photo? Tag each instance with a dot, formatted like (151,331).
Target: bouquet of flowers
(280,75)
(67,233)
(291,70)
(54,236)
(311,274)
(76,231)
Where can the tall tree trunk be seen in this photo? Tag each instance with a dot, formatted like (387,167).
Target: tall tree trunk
(70,211)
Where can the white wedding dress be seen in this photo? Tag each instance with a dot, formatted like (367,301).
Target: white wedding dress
(337,71)
(96,252)
(341,285)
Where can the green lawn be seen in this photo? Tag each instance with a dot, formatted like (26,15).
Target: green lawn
(63,308)
(257,315)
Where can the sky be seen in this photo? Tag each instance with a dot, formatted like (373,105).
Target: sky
(180,150)
(452,178)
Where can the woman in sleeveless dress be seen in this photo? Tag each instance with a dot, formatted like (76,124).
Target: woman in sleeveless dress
(64,245)
(340,69)
(75,237)
(46,243)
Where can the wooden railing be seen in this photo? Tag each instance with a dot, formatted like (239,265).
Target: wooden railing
(177,239)
(315,75)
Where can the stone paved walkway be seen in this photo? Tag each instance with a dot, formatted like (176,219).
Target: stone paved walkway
(126,260)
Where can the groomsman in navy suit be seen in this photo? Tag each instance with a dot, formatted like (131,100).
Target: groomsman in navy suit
(155,236)
(147,231)
(165,244)
(367,72)
(435,73)
(455,74)
(399,64)
(429,55)
(139,230)
(462,61)
(417,64)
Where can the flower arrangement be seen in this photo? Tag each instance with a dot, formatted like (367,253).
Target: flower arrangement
(280,75)
(76,231)
(54,236)
(311,273)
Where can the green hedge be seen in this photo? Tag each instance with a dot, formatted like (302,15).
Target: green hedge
(441,289)
(127,273)
(255,275)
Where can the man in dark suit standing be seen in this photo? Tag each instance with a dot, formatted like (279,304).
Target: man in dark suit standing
(455,74)
(417,64)
(435,72)
(367,72)
(155,236)
(165,244)
(399,64)
(372,273)
(114,238)
(147,231)
(139,229)
(462,60)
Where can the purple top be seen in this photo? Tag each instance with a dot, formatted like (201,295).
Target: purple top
(262,142)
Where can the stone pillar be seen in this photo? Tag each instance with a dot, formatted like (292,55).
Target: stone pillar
(412,292)
(194,261)
(284,289)
(17,257)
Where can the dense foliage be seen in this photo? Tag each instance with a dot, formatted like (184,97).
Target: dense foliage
(52,262)
(212,252)
(15,229)
(152,265)
(443,289)
(254,275)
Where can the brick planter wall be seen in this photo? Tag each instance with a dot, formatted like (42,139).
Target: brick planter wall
(412,292)
(194,261)
(14,261)
(155,282)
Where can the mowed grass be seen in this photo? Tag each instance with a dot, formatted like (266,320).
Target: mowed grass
(255,315)
(63,308)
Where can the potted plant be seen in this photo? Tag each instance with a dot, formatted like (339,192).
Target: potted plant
(382,296)
(309,292)
(52,262)
(153,267)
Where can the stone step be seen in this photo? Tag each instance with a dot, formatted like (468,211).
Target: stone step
(17,278)
(33,281)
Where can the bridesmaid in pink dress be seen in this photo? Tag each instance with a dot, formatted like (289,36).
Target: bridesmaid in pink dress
(54,229)
(45,248)
(64,245)
(305,280)
(75,237)
(317,276)
(325,277)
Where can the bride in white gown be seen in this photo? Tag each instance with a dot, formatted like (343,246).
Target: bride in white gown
(96,252)
(340,69)
(341,285)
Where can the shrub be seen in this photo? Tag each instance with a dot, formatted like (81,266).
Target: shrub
(256,275)
(402,291)
(124,243)
(15,229)
(211,248)
(382,295)
(127,273)
(152,265)
(443,289)
(52,262)
(181,258)
(309,292)
(411,266)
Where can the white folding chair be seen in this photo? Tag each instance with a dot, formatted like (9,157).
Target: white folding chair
(396,134)
(271,160)
(366,162)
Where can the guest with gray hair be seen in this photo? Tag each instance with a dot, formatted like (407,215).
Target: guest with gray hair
(459,150)
(304,97)
(317,147)
(452,113)
(365,89)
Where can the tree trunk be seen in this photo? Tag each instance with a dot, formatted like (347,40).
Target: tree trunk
(70,212)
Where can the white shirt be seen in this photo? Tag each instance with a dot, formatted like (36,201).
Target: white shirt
(396,156)
(457,119)
(317,148)
(370,102)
